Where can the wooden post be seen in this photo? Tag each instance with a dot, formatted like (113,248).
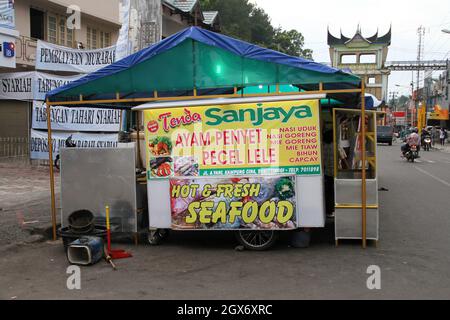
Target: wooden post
(52,175)
(363,159)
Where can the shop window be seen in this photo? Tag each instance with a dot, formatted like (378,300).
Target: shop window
(372,80)
(37,24)
(348,58)
(58,32)
(52,29)
(105,39)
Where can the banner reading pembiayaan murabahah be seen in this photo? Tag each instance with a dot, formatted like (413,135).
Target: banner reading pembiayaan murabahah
(264,203)
(275,138)
(57,58)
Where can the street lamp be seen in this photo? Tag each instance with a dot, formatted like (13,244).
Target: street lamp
(446,31)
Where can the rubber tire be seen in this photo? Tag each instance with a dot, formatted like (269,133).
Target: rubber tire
(267,245)
(390,143)
(57,163)
(154,238)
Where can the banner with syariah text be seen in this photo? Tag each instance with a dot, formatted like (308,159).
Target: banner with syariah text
(255,203)
(31,85)
(57,58)
(39,142)
(273,138)
(7,14)
(76,119)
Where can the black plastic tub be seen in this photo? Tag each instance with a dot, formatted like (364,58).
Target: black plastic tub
(81,221)
(69,236)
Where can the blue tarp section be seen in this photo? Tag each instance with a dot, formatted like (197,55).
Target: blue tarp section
(235,46)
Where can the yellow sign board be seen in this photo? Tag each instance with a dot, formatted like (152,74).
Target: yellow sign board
(439,113)
(228,140)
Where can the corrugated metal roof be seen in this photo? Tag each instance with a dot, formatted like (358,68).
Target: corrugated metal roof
(183,5)
(210,16)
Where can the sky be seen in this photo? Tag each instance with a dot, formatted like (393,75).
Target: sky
(312,18)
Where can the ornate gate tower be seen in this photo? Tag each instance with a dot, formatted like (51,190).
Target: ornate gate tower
(364,57)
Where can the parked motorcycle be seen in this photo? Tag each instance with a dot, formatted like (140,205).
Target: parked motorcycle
(69,144)
(412,154)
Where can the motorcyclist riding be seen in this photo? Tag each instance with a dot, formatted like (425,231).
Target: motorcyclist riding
(425,139)
(412,140)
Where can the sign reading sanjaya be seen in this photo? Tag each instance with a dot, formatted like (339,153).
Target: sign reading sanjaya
(241,139)
(76,119)
(39,142)
(57,58)
(30,85)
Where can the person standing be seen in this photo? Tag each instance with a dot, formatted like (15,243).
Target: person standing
(433,135)
(442,135)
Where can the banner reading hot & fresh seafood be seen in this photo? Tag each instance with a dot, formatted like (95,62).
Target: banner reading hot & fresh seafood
(234,166)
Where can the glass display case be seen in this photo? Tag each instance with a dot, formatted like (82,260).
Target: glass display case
(348,165)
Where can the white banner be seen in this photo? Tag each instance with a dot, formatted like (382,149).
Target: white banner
(17,85)
(30,85)
(39,142)
(76,119)
(57,58)
(45,82)
(123,44)
(7,14)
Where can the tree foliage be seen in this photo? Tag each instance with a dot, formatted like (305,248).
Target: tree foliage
(244,20)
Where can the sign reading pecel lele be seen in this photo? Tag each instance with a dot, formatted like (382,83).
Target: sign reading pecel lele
(275,138)
(57,58)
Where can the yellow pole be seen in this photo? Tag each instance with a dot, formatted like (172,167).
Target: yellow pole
(52,175)
(138,140)
(363,159)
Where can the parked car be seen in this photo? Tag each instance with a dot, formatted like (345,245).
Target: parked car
(385,134)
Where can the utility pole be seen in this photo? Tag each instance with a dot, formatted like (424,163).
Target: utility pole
(420,53)
(393,99)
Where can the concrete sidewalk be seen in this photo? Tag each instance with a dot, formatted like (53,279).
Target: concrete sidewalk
(24,201)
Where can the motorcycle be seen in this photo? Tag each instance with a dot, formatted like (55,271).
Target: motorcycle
(412,154)
(427,143)
(69,144)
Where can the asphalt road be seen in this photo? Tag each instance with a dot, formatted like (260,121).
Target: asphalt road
(413,255)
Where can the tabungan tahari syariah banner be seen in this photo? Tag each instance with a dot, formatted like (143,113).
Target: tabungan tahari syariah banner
(234,166)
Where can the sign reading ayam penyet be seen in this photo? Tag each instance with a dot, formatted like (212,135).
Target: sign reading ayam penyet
(242,139)
(57,58)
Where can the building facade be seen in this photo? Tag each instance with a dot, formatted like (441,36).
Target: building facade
(99,28)
(46,20)
(364,56)
(436,93)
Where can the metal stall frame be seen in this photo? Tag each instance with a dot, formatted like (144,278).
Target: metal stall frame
(364,206)
(206,99)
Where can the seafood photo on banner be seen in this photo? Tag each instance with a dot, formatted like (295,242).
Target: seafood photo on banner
(161,167)
(186,166)
(194,200)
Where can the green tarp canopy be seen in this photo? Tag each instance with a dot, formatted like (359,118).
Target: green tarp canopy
(196,58)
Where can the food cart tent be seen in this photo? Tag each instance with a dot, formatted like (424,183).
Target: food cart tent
(200,67)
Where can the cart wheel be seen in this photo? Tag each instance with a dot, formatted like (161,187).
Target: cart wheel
(154,238)
(57,162)
(257,240)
